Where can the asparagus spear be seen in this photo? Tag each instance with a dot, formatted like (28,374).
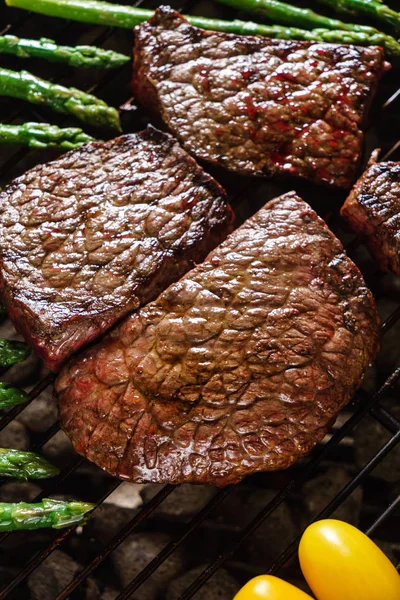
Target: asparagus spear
(25,465)
(43,135)
(11,396)
(104,13)
(87,108)
(47,513)
(12,352)
(287,14)
(78,56)
(366,8)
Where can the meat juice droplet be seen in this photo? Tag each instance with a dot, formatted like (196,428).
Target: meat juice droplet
(286,77)
(254,134)
(251,109)
(282,126)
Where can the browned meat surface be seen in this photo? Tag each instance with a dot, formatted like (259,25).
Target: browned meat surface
(254,105)
(373,210)
(241,366)
(89,237)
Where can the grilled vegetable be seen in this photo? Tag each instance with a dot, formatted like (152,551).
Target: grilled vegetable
(379,12)
(78,56)
(87,108)
(287,14)
(12,352)
(43,135)
(25,465)
(303,17)
(47,513)
(267,587)
(11,396)
(339,562)
(105,13)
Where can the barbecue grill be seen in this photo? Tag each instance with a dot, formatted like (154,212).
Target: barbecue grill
(246,195)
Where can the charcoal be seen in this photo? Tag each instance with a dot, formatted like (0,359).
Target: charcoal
(119,508)
(271,537)
(15,435)
(136,552)
(186,500)
(59,450)
(52,575)
(387,549)
(42,413)
(108,520)
(23,374)
(127,495)
(388,358)
(221,586)
(108,594)
(369,437)
(318,492)
(18,491)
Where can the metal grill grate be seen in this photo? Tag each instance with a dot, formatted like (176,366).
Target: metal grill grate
(114,87)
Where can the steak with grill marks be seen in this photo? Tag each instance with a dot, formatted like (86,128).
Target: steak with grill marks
(241,366)
(373,211)
(254,105)
(91,236)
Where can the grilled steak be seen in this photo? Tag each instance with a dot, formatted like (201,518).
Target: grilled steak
(254,105)
(241,366)
(373,210)
(89,237)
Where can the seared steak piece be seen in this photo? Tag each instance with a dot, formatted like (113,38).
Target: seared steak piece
(254,105)
(241,366)
(373,210)
(93,235)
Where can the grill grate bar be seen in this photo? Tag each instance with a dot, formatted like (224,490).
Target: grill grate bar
(385,418)
(43,554)
(169,548)
(390,509)
(34,393)
(54,485)
(291,550)
(294,483)
(337,500)
(117,540)
(369,406)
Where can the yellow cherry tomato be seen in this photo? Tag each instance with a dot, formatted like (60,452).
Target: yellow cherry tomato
(267,587)
(339,562)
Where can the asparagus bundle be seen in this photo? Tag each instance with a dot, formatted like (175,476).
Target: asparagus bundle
(286,13)
(87,108)
(78,56)
(12,352)
(11,396)
(366,8)
(25,465)
(43,135)
(47,513)
(98,12)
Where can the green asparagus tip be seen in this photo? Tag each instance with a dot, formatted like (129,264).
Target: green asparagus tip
(25,465)
(43,135)
(11,396)
(47,513)
(75,56)
(12,352)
